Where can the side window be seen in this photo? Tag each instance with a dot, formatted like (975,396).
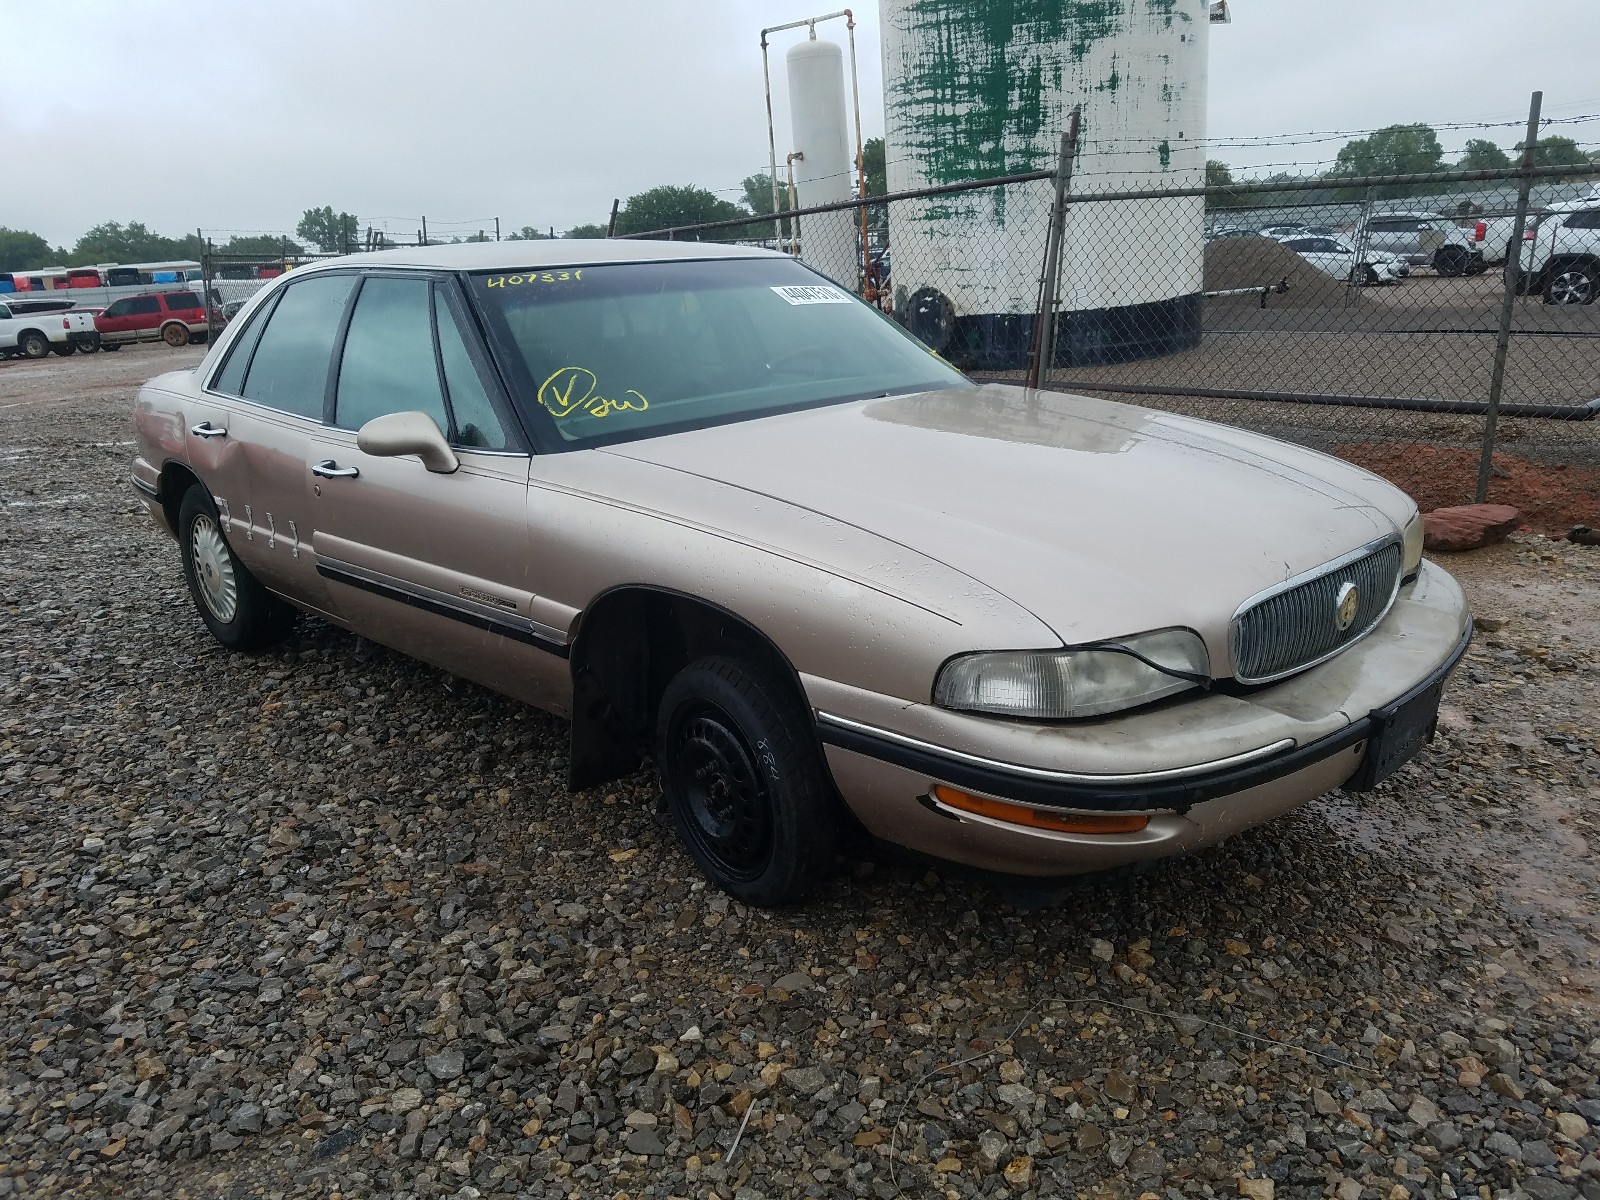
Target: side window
(143,306)
(477,425)
(117,308)
(230,379)
(182,300)
(388,364)
(1588,218)
(289,370)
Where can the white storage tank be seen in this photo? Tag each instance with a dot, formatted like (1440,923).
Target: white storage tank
(824,167)
(979,88)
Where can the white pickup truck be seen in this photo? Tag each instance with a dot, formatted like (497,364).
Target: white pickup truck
(33,333)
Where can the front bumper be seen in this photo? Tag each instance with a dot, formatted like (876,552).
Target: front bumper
(1203,768)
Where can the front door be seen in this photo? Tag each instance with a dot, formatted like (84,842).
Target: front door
(435,565)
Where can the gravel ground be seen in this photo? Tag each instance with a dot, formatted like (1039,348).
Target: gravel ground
(326,922)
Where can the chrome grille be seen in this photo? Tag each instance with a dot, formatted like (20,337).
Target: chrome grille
(1296,626)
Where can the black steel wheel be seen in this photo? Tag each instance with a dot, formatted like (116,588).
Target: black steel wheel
(1450,260)
(744,781)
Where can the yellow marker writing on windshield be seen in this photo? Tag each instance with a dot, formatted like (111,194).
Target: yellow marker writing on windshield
(534,277)
(572,389)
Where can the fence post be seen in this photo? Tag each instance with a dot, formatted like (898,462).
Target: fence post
(1508,302)
(205,283)
(611,226)
(1044,328)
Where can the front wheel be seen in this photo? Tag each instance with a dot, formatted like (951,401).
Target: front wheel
(239,612)
(744,782)
(111,345)
(1571,283)
(65,349)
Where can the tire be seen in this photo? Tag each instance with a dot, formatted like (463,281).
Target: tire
(175,335)
(66,349)
(88,345)
(1571,283)
(33,344)
(744,783)
(1451,261)
(239,612)
(111,345)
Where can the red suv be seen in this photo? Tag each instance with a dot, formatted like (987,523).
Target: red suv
(177,318)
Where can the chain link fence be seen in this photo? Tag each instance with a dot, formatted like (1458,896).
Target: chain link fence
(1380,319)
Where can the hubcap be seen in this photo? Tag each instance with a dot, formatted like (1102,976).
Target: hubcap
(213,569)
(1570,287)
(728,806)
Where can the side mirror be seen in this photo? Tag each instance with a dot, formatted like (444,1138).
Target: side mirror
(408,433)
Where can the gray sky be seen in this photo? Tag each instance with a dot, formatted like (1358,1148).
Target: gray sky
(237,116)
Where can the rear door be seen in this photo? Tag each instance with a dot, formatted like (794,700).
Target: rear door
(144,318)
(262,410)
(435,565)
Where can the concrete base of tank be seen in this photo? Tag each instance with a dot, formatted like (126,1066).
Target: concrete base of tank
(1086,338)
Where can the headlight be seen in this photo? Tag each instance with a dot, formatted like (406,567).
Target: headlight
(1411,547)
(1082,682)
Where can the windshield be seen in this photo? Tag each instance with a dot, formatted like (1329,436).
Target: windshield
(621,351)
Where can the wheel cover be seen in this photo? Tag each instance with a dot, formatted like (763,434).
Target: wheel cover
(726,804)
(213,569)
(1570,287)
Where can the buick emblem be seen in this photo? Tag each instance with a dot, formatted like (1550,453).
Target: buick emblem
(1346,604)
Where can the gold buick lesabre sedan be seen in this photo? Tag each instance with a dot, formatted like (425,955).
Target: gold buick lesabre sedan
(720,514)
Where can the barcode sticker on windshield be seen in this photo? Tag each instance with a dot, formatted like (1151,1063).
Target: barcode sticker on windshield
(812,293)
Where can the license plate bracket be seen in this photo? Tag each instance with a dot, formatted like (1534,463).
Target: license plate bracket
(1398,732)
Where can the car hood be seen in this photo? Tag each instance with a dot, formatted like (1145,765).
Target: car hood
(1101,519)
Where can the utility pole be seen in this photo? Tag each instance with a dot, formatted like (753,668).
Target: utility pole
(424,231)
(497,229)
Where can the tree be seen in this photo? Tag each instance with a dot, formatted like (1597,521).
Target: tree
(874,157)
(1220,175)
(326,229)
(585,231)
(758,198)
(1393,150)
(112,242)
(667,206)
(1481,154)
(529,234)
(1556,152)
(263,245)
(21,250)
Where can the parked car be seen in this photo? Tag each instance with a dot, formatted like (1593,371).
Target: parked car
(176,318)
(1337,257)
(1561,254)
(722,514)
(1424,239)
(1229,231)
(1290,229)
(28,330)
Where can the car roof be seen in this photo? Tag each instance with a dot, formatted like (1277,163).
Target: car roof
(545,252)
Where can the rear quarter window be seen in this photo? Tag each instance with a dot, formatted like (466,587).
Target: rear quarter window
(182,300)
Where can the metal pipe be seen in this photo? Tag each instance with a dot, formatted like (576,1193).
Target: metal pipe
(1508,302)
(772,137)
(1261,289)
(1051,299)
(794,222)
(1587,411)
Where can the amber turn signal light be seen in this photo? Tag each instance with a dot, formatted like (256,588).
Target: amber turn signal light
(1033,818)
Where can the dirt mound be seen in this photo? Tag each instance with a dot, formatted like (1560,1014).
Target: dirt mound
(1243,262)
(1552,499)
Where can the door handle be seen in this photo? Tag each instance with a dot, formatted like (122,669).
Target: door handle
(207,430)
(329,469)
